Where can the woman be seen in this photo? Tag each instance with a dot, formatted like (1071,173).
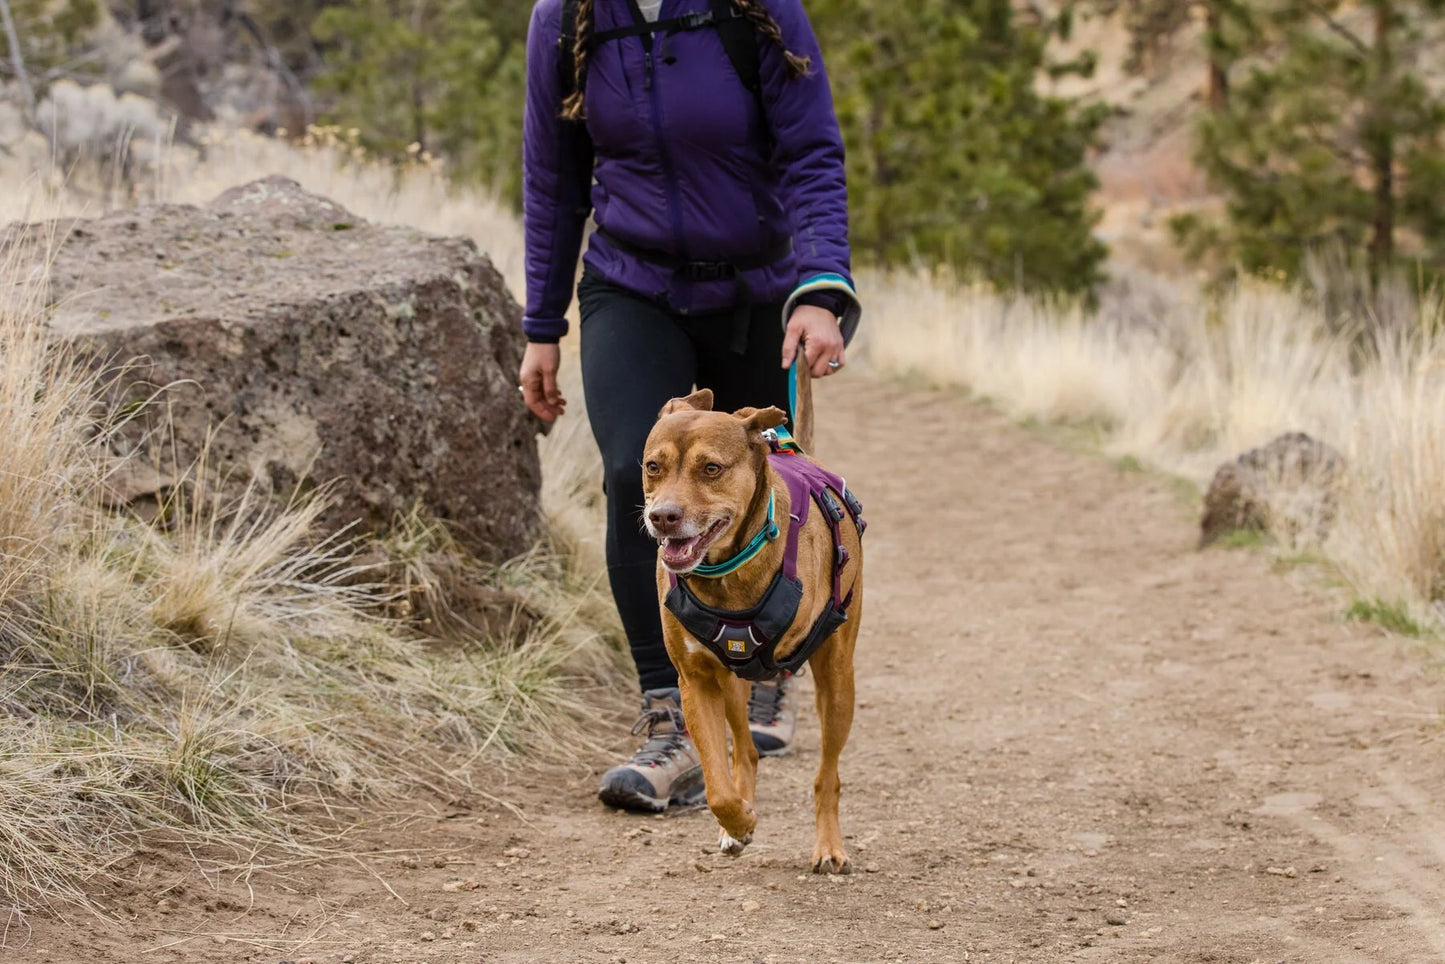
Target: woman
(702,136)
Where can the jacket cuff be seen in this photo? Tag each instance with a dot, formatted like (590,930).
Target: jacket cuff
(544,331)
(828,300)
(835,285)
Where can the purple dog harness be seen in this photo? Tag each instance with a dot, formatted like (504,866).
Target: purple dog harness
(745,640)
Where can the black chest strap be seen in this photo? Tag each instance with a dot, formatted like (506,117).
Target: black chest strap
(738,37)
(746,640)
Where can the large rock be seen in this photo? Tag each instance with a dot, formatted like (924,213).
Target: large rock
(317,347)
(1288,488)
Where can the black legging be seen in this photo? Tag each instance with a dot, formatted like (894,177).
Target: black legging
(635,356)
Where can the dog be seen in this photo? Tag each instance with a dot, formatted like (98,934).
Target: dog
(717,488)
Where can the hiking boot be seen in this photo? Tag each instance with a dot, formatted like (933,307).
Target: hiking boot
(665,769)
(771,717)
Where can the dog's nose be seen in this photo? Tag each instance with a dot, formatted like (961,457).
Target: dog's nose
(665,516)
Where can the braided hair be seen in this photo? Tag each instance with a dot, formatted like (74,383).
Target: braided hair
(764,24)
(753,10)
(572,106)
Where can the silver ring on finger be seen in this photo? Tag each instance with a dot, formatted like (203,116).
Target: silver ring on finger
(835,365)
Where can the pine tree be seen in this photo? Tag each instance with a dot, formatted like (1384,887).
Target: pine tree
(953,155)
(1337,143)
(437,74)
(1154,24)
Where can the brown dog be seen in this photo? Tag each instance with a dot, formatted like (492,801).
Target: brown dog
(709,483)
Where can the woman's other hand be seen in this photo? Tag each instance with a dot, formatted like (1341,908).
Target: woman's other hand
(822,340)
(539,380)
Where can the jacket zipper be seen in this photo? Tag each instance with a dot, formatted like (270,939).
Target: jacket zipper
(669,173)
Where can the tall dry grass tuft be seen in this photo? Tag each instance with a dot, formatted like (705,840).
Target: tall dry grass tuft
(197,677)
(45,417)
(1189,381)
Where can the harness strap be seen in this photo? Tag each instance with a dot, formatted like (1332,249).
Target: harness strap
(745,640)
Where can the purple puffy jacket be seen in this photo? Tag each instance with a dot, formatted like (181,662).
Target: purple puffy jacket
(690,165)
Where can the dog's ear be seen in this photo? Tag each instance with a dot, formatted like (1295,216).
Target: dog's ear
(698,401)
(757,419)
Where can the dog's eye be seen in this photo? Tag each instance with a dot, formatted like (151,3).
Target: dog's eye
(653,468)
(712,470)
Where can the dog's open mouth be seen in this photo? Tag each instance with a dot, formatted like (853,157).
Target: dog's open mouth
(680,555)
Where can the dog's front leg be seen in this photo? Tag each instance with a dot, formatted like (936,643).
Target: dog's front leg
(745,752)
(704,707)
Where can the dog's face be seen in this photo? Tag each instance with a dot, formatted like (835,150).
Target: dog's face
(700,472)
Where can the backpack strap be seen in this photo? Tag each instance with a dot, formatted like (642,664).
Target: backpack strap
(738,38)
(741,43)
(567,49)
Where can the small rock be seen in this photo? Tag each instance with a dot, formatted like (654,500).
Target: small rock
(871,869)
(410,863)
(1282,871)
(521,853)
(219,939)
(448,934)
(452,886)
(439,862)
(469,925)
(428,936)
(1115,920)
(1121,902)
(704,868)
(348,959)
(935,925)
(751,906)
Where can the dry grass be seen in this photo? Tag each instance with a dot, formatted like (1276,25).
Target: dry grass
(1184,382)
(199,677)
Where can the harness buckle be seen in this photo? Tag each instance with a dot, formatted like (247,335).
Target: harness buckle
(696,19)
(840,556)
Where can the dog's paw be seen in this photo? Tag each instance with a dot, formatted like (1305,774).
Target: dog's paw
(730,845)
(832,864)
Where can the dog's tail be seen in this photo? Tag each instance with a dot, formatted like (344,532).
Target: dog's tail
(800,391)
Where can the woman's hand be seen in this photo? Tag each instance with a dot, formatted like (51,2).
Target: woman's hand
(822,340)
(539,381)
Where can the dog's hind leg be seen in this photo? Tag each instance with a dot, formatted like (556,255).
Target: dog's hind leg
(833,680)
(704,707)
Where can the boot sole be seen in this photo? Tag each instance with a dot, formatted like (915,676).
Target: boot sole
(622,798)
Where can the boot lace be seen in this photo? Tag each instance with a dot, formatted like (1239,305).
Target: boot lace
(660,747)
(765,703)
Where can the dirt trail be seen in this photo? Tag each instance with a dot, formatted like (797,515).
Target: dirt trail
(1079,740)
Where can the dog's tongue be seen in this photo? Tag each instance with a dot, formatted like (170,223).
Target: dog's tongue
(680,551)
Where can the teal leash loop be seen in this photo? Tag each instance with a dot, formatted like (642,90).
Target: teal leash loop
(793,390)
(767,534)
